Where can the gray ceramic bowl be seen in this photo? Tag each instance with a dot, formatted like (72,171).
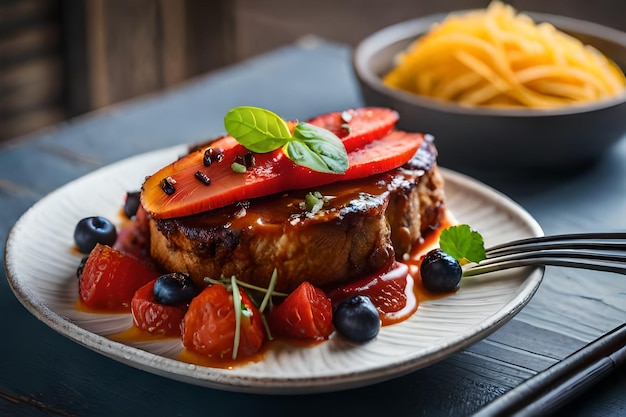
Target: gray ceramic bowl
(513,139)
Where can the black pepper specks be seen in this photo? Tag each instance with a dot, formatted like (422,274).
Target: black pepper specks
(167,184)
(212,155)
(246,160)
(204,178)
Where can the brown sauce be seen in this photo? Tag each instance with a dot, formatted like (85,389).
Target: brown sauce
(134,334)
(80,306)
(269,213)
(431,241)
(228,362)
(414,294)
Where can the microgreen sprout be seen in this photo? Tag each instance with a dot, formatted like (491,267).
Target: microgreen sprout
(227,282)
(268,293)
(238,303)
(232,284)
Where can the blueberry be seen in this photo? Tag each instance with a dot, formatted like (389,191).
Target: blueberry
(93,230)
(81,266)
(174,288)
(440,272)
(131,204)
(356,319)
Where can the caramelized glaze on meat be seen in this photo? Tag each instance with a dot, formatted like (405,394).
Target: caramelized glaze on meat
(361,227)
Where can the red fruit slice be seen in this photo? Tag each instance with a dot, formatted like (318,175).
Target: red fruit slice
(153,317)
(356,127)
(272,173)
(110,278)
(390,290)
(306,313)
(209,325)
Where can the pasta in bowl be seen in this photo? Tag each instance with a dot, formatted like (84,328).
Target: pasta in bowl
(500,58)
(483,118)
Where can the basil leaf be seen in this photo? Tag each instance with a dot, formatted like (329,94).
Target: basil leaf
(259,130)
(317,148)
(463,243)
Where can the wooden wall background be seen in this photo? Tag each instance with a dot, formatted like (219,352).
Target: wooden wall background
(62,58)
(31,66)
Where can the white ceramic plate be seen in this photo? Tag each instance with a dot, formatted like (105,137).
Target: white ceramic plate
(41,271)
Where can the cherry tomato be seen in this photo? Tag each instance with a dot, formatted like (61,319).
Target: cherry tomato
(210,323)
(305,314)
(110,278)
(153,317)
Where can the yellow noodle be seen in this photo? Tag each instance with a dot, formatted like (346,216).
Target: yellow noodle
(565,74)
(565,91)
(479,96)
(497,57)
(451,89)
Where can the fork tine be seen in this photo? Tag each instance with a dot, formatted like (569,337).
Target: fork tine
(529,247)
(608,239)
(508,264)
(565,254)
(598,253)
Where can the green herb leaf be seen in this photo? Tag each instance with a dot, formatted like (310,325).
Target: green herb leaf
(259,130)
(314,202)
(238,168)
(463,243)
(317,148)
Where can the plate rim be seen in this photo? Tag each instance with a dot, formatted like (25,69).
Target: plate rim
(228,380)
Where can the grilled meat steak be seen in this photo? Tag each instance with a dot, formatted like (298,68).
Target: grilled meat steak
(362,226)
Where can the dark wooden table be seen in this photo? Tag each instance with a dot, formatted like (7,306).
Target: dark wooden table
(42,373)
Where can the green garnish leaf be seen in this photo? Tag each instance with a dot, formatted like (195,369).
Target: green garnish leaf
(238,168)
(317,148)
(314,202)
(463,243)
(259,130)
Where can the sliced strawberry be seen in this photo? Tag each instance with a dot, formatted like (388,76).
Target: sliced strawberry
(153,317)
(305,314)
(110,278)
(210,324)
(388,289)
(356,127)
(175,191)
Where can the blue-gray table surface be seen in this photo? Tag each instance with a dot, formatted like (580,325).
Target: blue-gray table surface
(44,373)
